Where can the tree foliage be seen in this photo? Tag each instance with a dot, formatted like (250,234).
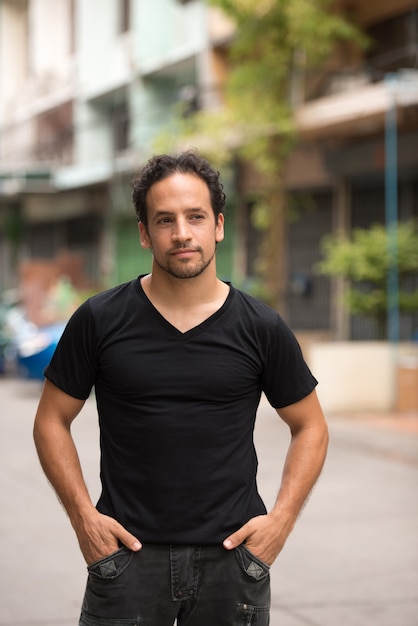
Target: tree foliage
(364,260)
(275,41)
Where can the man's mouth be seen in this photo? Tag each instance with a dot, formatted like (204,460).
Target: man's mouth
(184,252)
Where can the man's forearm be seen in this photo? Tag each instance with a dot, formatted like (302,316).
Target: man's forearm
(60,462)
(303,465)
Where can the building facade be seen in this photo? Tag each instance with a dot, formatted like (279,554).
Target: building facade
(338,172)
(86,87)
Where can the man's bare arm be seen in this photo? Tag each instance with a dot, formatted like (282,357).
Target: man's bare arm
(266,535)
(98,535)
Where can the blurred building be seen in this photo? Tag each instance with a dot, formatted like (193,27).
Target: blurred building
(86,87)
(338,170)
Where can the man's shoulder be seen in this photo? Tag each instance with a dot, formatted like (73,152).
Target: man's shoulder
(113,295)
(254,306)
(260,316)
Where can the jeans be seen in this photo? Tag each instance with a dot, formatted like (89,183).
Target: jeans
(197,585)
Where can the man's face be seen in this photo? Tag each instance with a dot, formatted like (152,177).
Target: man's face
(181,230)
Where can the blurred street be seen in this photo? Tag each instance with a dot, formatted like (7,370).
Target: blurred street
(352,559)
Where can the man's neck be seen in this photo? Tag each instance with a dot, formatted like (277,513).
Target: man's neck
(178,292)
(186,302)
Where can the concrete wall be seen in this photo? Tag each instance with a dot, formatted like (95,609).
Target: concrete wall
(363,375)
(104,53)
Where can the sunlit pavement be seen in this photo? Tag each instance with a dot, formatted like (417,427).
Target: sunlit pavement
(352,559)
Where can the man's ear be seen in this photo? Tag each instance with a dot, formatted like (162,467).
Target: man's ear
(219,229)
(143,236)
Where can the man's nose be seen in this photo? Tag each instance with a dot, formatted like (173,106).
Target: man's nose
(181,230)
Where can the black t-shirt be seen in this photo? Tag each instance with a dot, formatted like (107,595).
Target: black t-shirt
(177,410)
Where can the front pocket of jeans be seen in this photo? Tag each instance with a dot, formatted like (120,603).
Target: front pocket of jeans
(253,566)
(263,564)
(113,565)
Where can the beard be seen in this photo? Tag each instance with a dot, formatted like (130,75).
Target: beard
(185,268)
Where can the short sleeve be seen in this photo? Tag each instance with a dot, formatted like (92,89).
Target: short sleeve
(287,378)
(74,363)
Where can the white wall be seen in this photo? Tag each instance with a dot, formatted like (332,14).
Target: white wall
(13,55)
(355,376)
(104,54)
(50,40)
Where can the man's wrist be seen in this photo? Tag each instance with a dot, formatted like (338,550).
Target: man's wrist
(283,515)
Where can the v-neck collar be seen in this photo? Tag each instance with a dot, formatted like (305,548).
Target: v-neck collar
(173,329)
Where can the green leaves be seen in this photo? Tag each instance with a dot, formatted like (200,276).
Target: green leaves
(364,260)
(276,43)
(273,38)
(365,257)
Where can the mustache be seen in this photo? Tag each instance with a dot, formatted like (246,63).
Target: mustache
(184,247)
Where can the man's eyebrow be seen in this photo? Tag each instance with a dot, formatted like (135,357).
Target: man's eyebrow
(161,213)
(167,213)
(197,209)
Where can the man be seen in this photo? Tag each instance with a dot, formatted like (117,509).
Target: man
(179,360)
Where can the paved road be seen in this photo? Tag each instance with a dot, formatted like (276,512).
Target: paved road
(352,559)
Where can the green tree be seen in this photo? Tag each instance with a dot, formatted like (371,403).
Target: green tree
(276,43)
(364,259)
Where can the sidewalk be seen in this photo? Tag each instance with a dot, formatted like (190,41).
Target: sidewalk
(401,422)
(394,434)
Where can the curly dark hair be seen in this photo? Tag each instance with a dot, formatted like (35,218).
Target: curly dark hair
(163,165)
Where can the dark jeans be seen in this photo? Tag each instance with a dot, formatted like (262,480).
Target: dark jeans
(197,585)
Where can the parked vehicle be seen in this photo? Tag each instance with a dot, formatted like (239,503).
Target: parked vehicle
(35,348)
(25,348)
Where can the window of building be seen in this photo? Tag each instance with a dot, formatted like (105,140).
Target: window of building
(394,44)
(54,134)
